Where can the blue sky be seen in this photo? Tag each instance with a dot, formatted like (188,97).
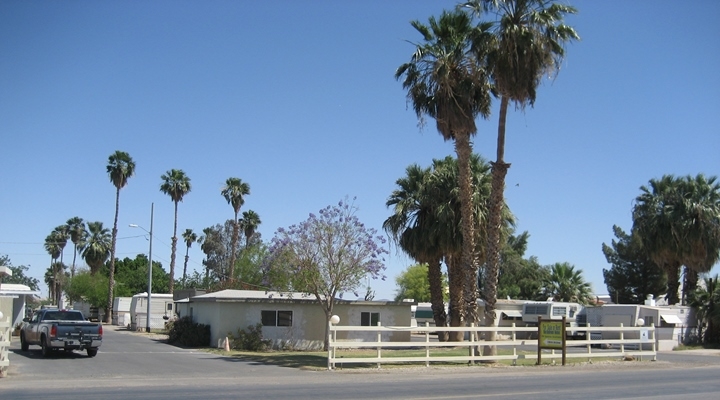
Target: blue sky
(298,99)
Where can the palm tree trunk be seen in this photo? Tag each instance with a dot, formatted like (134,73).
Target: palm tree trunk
(187,257)
(689,284)
(673,278)
(456,276)
(436,296)
(72,270)
(171,284)
(111,284)
(468,305)
(492,269)
(231,268)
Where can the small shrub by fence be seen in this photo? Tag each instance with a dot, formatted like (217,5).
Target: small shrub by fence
(617,342)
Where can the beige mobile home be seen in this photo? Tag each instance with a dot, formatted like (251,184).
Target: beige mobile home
(291,320)
(671,322)
(121,311)
(161,309)
(13,301)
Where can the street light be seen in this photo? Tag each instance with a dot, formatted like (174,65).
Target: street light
(149,288)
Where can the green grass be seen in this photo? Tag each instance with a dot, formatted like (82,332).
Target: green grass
(317,360)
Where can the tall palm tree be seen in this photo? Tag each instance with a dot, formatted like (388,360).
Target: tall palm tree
(678,222)
(56,280)
(426,225)
(234,192)
(61,238)
(249,223)
(209,244)
(52,246)
(120,168)
(567,284)
(189,237)
(446,80)
(176,185)
(78,234)
(529,43)
(701,208)
(654,222)
(97,247)
(410,226)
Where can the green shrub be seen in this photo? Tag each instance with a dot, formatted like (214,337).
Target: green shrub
(185,332)
(252,340)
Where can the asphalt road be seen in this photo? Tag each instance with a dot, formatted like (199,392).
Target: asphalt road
(131,365)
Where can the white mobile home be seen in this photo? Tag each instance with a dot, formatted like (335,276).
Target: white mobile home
(508,311)
(161,309)
(671,322)
(13,301)
(291,320)
(121,311)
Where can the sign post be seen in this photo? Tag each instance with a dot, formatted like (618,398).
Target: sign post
(551,335)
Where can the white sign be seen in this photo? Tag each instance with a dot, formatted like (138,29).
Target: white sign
(644,335)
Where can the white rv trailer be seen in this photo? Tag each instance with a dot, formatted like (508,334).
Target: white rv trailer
(574,314)
(121,311)
(162,309)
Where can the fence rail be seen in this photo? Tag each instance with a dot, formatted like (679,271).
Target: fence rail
(629,341)
(5,338)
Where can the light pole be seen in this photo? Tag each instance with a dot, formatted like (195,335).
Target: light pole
(149,287)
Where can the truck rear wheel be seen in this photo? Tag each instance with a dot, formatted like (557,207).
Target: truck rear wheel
(92,351)
(24,346)
(45,348)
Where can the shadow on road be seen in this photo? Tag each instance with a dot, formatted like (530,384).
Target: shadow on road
(37,354)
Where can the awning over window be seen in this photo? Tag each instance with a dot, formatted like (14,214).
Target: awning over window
(671,319)
(512,313)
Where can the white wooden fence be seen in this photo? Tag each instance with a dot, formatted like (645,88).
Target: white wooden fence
(5,337)
(617,341)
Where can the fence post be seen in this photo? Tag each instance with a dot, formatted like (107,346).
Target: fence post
(622,340)
(427,347)
(654,348)
(472,345)
(331,364)
(514,339)
(588,337)
(379,349)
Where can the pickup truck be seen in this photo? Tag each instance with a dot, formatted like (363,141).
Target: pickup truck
(61,329)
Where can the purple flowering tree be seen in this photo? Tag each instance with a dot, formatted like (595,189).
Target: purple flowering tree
(326,255)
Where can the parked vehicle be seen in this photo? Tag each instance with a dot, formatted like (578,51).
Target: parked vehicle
(574,314)
(161,309)
(53,329)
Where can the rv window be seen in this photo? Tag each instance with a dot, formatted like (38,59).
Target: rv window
(532,309)
(558,311)
(169,306)
(369,319)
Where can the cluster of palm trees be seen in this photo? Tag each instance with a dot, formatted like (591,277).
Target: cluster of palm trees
(91,241)
(97,245)
(677,220)
(450,78)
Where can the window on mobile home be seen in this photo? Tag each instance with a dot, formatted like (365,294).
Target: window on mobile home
(276,318)
(369,319)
